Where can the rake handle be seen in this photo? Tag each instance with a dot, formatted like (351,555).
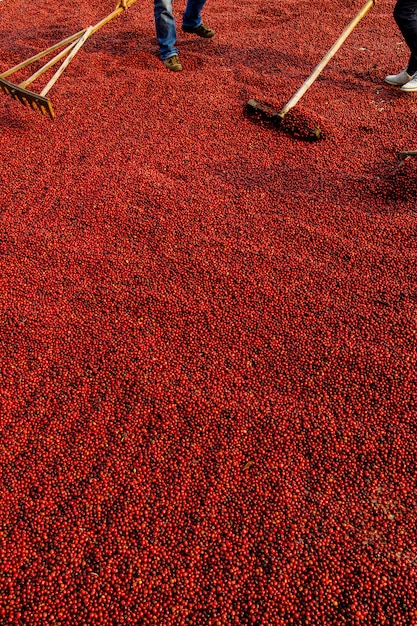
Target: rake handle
(42,54)
(48,65)
(67,61)
(408,153)
(325,60)
(110,17)
(75,48)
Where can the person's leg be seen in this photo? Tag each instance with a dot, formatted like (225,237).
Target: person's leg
(192,13)
(166,33)
(405,15)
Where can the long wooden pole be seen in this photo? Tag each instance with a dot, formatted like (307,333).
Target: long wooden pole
(325,60)
(408,153)
(111,16)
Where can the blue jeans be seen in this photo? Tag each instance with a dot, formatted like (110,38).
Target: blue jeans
(405,14)
(165,24)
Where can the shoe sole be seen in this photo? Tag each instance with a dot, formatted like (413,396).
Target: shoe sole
(395,84)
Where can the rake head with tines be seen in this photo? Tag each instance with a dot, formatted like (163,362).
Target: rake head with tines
(39,101)
(26,97)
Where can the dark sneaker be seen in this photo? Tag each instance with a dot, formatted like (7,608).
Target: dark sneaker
(201,31)
(173,63)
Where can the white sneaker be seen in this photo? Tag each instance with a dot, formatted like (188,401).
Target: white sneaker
(398,79)
(411,85)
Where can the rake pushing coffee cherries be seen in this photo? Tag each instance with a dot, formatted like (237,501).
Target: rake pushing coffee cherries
(405,14)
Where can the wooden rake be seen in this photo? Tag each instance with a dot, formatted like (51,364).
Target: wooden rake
(408,153)
(71,45)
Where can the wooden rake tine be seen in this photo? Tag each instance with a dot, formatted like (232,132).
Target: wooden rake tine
(39,101)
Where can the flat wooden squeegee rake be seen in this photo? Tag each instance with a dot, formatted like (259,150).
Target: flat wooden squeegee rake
(278,116)
(39,101)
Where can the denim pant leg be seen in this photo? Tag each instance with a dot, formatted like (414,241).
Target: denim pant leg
(192,13)
(405,14)
(166,33)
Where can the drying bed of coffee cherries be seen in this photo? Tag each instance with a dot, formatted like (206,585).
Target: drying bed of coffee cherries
(208,325)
